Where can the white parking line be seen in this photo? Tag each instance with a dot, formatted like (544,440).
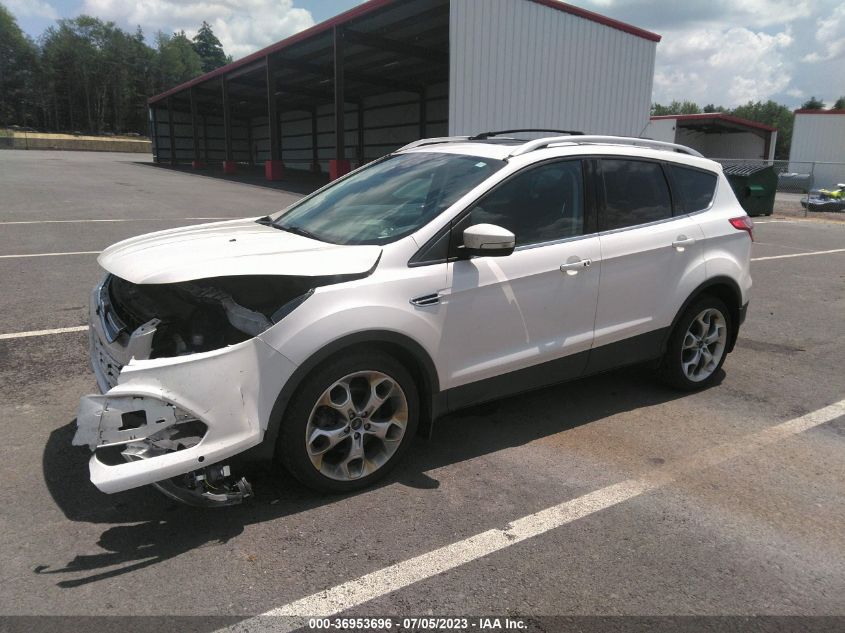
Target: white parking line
(379,583)
(50,254)
(835,250)
(110,220)
(58,330)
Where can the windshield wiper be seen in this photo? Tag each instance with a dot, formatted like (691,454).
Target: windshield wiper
(297,230)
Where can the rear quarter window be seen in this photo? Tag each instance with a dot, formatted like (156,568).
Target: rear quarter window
(696,187)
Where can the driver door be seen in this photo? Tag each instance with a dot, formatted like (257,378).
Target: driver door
(526,319)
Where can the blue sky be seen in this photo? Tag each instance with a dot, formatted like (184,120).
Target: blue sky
(713,51)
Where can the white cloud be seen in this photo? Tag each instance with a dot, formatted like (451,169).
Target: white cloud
(830,34)
(242,26)
(660,14)
(762,13)
(730,65)
(32,8)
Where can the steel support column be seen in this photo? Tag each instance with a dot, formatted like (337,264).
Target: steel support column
(154,134)
(423,113)
(339,166)
(196,163)
(315,150)
(229,165)
(360,132)
(205,137)
(252,152)
(273,168)
(170,130)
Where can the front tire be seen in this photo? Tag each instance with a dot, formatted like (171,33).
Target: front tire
(349,422)
(698,345)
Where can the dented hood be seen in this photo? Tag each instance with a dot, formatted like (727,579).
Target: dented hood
(227,249)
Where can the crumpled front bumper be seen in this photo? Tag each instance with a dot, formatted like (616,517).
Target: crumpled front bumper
(231,391)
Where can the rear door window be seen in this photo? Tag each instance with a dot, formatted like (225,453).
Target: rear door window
(635,192)
(694,187)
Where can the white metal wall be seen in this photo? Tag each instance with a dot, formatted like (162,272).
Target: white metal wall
(819,137)
(714,144)
(516,64)
(723,144)
(661,130)
(212,143)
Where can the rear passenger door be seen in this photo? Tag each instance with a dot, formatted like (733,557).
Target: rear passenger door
(651,260)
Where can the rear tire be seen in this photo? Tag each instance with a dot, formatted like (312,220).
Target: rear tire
(350,422)
(698,345)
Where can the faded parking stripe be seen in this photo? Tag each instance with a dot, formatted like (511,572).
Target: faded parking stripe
(59,330)
(353,593)
(835,250)
(50,254)
(83,221)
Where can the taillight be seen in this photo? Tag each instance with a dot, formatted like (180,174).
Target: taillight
(743,223)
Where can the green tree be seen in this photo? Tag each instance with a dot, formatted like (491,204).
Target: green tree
(710,108)
(95,76)
(177,60)
(840,104)
(18,73)
(209,48)
(774,114)
(676,107)
(812,104)
(81,70)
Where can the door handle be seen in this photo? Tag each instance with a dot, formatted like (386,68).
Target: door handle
(681,242)
(572,268)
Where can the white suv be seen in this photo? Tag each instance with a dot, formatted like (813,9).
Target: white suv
(450,272)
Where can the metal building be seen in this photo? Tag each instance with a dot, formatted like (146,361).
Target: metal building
(818,145)
(388,72)
(716,135)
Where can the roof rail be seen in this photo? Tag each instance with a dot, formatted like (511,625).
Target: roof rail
(432,141)
(540,143)
(485,135)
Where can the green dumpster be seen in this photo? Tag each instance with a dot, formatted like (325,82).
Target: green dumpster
(754,184)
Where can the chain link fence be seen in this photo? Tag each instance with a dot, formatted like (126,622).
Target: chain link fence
(797,180)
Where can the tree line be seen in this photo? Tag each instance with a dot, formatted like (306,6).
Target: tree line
(769,113)
(86,75)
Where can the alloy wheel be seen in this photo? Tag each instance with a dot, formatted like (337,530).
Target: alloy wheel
(356,425)
(704,345)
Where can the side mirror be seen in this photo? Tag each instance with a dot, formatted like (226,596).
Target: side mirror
(487,240)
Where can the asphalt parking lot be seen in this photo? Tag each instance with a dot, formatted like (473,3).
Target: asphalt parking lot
(729,506)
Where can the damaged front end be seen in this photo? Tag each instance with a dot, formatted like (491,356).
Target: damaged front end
(186,384)
(132,428)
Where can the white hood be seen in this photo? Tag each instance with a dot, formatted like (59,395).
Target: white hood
(227,249)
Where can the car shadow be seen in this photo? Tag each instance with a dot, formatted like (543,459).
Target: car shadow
(146,528)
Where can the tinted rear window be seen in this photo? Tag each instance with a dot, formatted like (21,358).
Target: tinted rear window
(696,187)
(635,192)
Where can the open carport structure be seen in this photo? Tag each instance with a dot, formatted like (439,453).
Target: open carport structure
(716,134)
(387,72)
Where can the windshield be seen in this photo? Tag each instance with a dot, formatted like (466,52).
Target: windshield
(389,199)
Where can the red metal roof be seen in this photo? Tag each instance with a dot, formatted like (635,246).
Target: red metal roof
(322,27)
(369,7)
(717,116)
(820,112)
(601,19)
